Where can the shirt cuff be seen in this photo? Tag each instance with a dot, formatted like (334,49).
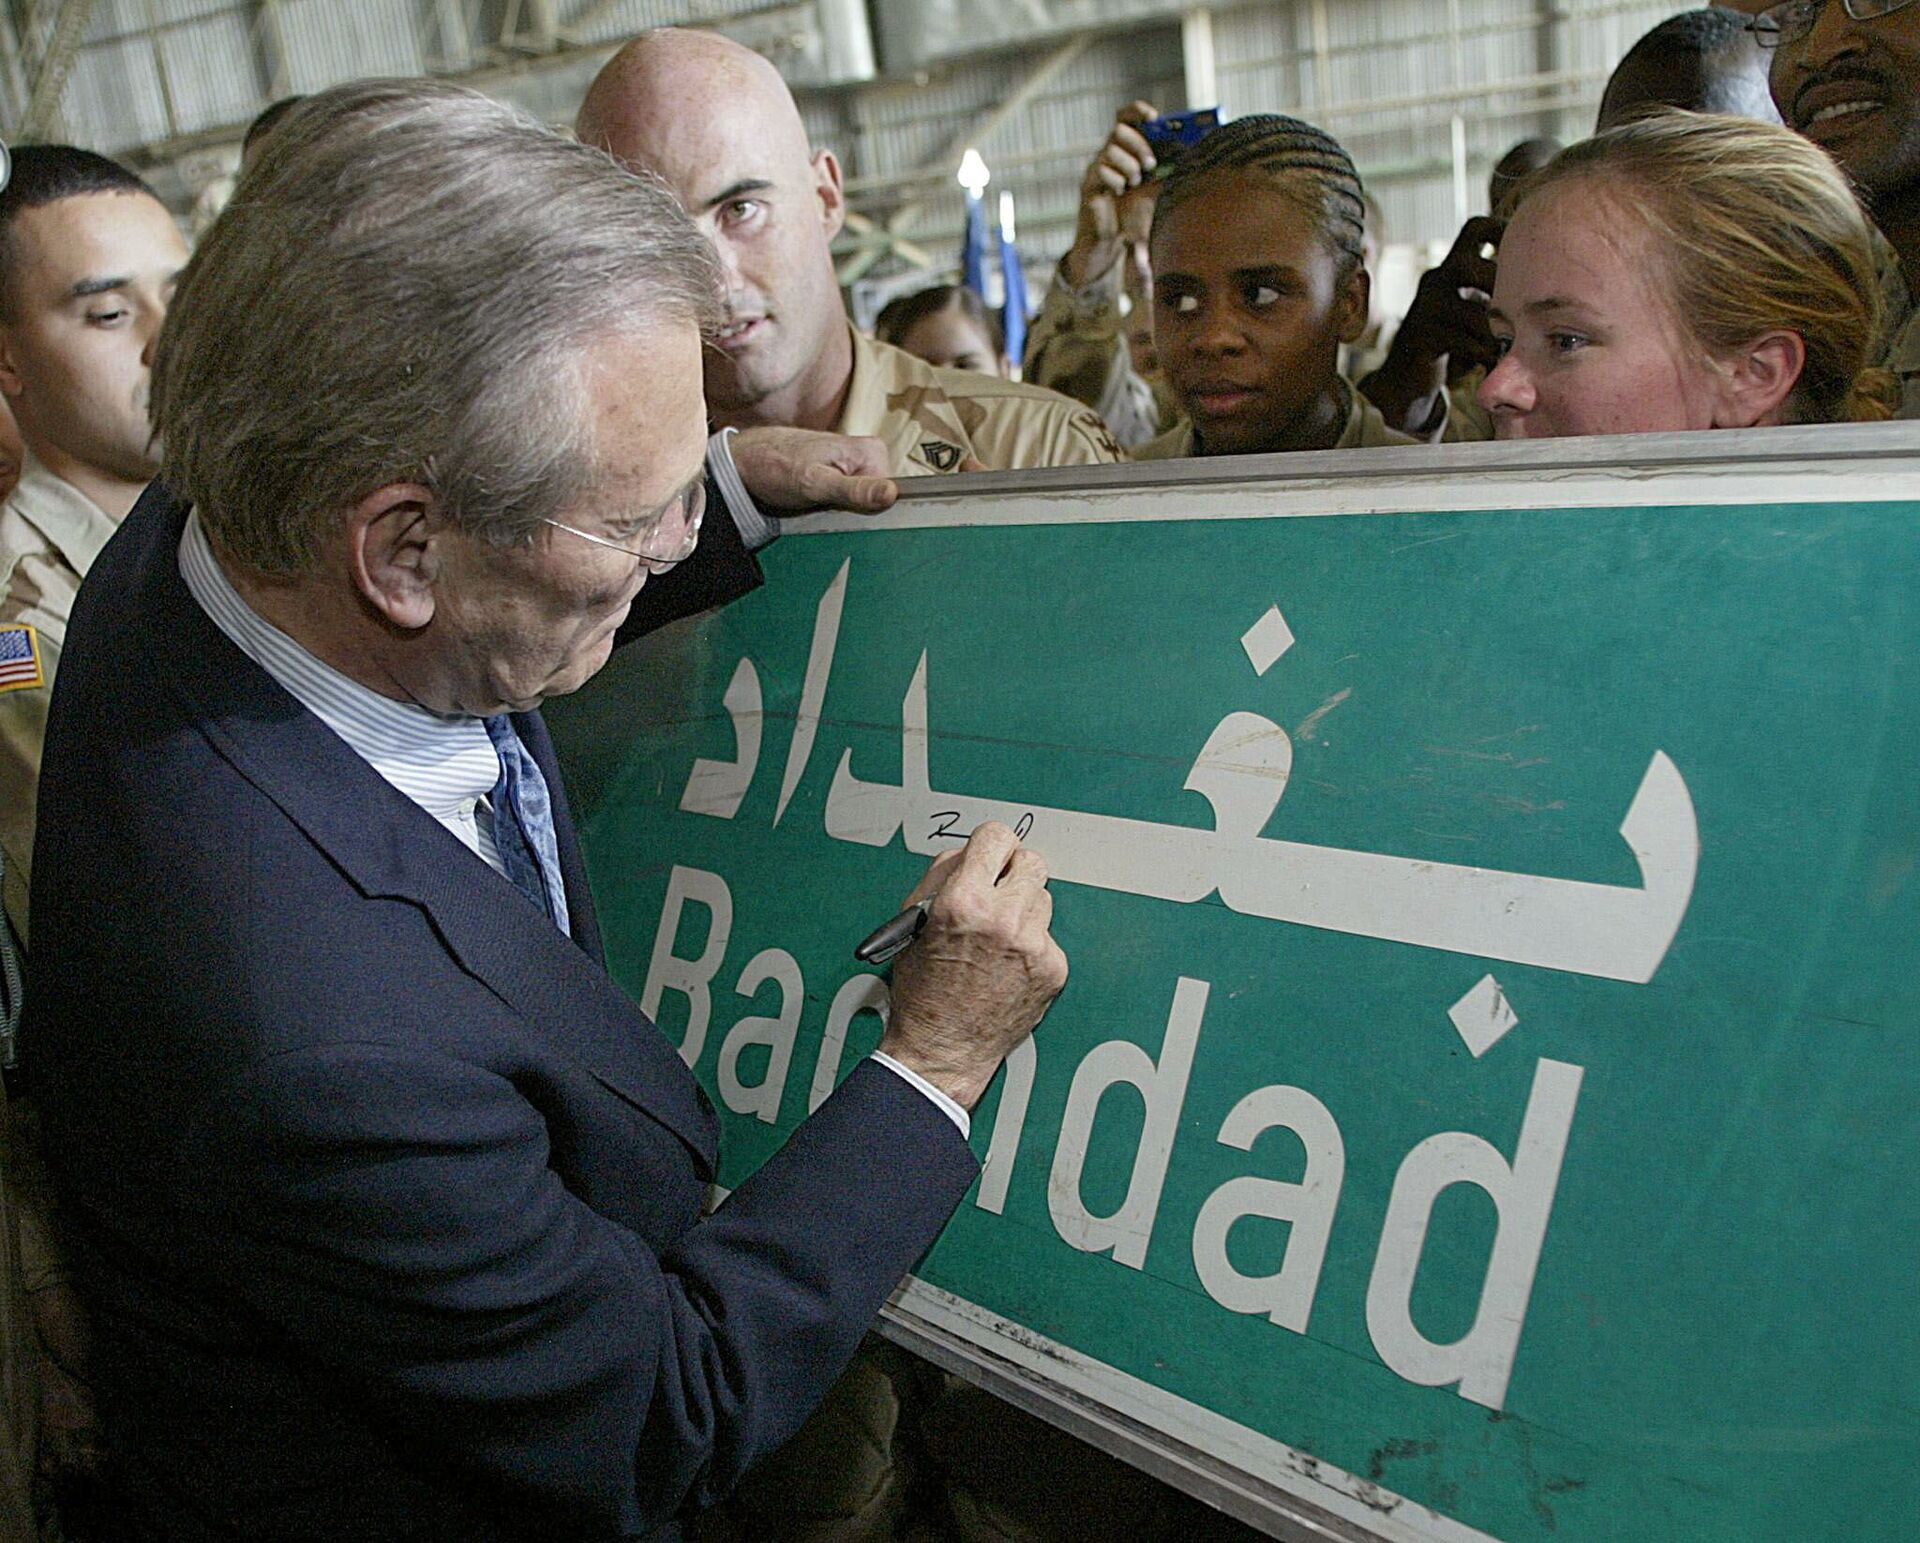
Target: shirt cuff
(757,530)
(946,1105)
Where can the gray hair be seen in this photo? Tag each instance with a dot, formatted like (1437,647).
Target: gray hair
(402,290)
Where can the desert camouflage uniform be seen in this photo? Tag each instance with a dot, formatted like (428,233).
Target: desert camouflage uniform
(50,533)
(1076,347)
(936,421)
(1901,329)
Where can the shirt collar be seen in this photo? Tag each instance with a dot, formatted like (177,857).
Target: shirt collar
(866,391)
(442,763)
(72,523)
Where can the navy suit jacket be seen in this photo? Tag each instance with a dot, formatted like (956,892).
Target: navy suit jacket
(386,1199)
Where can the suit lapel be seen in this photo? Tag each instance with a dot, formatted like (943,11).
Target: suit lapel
(389,847)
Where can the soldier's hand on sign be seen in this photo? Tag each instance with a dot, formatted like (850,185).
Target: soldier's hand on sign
(1445,333)
(983,970)
(1116,198)
(795,470)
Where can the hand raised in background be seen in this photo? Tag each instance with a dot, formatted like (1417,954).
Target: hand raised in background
(1116,197)
(1445,333)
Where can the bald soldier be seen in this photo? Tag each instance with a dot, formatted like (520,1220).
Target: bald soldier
(772,205)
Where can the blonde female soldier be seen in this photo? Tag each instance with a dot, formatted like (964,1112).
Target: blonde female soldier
(1687,271)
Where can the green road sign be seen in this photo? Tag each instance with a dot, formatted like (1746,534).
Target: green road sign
(1483,1099)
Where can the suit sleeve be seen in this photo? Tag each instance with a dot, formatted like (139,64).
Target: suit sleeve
(393,1217)
(720,570)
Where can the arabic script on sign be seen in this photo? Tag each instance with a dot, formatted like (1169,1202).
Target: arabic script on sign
(1619,932)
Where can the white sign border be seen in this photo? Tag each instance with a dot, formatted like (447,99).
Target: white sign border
(1235,1469)
(1867,463)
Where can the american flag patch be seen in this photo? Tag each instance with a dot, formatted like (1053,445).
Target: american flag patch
(19,658)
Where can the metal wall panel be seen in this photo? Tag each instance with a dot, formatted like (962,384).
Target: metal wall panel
(810,48)
(210,71)
(1387,77)
(914,34)
(330,41)
(1037,154)
(589,21)
(115,85)
(117,19)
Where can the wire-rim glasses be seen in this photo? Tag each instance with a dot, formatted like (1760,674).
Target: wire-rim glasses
(693,509)
(1791,22)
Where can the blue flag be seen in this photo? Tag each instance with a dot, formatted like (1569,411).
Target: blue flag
(1013,318)
(973,256)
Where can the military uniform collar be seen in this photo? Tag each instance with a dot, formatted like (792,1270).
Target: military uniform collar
(1175,444)
(70,522)
(1353,433)
(1179,441)
(866,392)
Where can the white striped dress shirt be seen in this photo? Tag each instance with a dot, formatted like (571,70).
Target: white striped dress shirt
(446,765)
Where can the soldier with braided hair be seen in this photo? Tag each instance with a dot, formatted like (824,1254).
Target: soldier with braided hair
(1257,282)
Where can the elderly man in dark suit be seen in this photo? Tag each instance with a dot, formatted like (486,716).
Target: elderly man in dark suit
(387,1201)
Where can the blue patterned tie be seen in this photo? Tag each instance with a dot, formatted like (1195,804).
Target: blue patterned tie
(523,824)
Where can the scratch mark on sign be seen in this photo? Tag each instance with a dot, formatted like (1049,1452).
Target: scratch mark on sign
(1310,725)
(1448,535)
(1526,805)
(1442,835)
(1500,757)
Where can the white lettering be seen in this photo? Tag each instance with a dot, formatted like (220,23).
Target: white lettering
(861,994)
(1481,1361)
(668,971)
(1009,1120)
(1287,1297)
(776,1033)
(1164,1088)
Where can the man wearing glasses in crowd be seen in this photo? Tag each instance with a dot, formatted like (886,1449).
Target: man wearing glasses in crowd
(1846,73)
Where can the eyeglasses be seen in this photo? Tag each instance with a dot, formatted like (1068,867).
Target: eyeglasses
(1791,22)
(658,556)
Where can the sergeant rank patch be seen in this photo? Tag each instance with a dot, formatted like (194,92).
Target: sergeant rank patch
(20,658)
(940,455)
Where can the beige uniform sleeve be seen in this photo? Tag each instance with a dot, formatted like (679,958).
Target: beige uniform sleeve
(1032,431)
(1465,422)
(1075,347)
(1074,343)
(1019,427)
(1080,439)
(23,730)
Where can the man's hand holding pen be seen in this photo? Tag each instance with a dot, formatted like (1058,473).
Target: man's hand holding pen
(982,971)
